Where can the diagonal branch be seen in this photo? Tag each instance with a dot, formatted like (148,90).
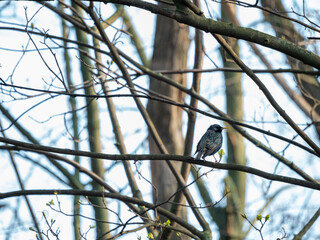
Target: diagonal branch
(265,91)
(230,30)
(307,226)
(119,62)
(236,125)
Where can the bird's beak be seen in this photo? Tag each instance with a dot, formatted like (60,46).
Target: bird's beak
(224,128)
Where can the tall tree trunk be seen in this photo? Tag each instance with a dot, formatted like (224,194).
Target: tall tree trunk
(235,181)
(171,44)
(93,126)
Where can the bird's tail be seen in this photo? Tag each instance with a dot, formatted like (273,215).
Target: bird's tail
(198,156)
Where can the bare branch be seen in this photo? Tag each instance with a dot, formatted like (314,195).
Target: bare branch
(46,150)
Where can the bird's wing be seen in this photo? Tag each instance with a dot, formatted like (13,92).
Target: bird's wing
(213,145)
(202,143)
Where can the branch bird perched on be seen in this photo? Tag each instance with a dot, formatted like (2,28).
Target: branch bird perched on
(210,142)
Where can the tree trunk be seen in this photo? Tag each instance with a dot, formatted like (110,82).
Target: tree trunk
(235,181)
(171,44)
(93,126)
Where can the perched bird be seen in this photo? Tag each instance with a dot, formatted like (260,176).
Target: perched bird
(210,142)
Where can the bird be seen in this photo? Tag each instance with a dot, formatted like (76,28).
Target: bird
(210,142)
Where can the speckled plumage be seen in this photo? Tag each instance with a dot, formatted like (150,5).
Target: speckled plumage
(210,142)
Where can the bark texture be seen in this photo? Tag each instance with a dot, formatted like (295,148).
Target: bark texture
(171,44)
